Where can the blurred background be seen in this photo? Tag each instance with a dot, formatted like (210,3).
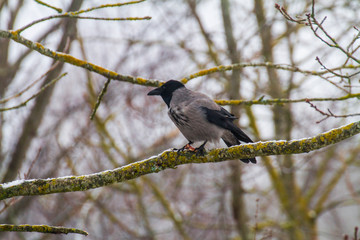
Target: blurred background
(307,196)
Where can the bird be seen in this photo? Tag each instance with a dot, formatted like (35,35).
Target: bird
(199,118)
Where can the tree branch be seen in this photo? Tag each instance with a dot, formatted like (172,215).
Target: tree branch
(223,68)
(22,104)
(101,95)
(40,229)
(67,58)
(74,14)
(280,101)
(171,159)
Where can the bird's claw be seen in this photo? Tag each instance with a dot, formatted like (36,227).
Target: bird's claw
(200,151)
(189,147)
(186,147)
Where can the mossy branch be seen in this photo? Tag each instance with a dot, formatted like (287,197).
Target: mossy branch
(40,229)
(171,159)
(280,101)
(67,58)
(285,67)
(76,14)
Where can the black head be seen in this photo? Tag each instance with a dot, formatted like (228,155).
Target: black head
(166,90)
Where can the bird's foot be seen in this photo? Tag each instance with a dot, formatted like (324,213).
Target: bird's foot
(200,151)
(186,147)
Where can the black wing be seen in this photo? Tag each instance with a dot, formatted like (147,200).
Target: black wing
(224,119)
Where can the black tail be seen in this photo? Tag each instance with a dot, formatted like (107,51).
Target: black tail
(232,138)
(234,135)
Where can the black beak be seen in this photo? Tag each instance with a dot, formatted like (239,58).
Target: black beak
(156,91)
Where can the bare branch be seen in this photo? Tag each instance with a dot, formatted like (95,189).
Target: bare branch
(330,114)
(76,13)
(288,17)
(101,95)
(2,101)
(59,10)
(315,25)
(35,95)
(107,6)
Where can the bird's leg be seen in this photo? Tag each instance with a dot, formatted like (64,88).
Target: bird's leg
(186,147)
(201,149)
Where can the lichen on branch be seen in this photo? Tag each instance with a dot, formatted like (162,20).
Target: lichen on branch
(171,159)
(40,229)
(67,58)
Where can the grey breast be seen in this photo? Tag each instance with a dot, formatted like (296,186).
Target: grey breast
(186,112)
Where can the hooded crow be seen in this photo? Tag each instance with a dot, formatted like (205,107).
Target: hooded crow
(199,118)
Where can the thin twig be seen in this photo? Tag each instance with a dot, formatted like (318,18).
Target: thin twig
(35,95)
(334,43)
(107,6)
(76,13)
(312,22)
(330,114)
(101,95)
(113,19)
(329,70)
(27,174)
(283,11)
(2,101)
(66,15)
(8,204)
(59,10)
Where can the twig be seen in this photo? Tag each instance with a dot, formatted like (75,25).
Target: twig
(313,8)
(27,174)
(334,73)
(31,85)
(256,217)
(66,15)
(40,229)
(334,43)
(283,11)
(59,10)
(76,13)
(330,114)
(8,204)
(107,6)
(35,95)
(101,95)
(113,19)
(311,21)
(354,40)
